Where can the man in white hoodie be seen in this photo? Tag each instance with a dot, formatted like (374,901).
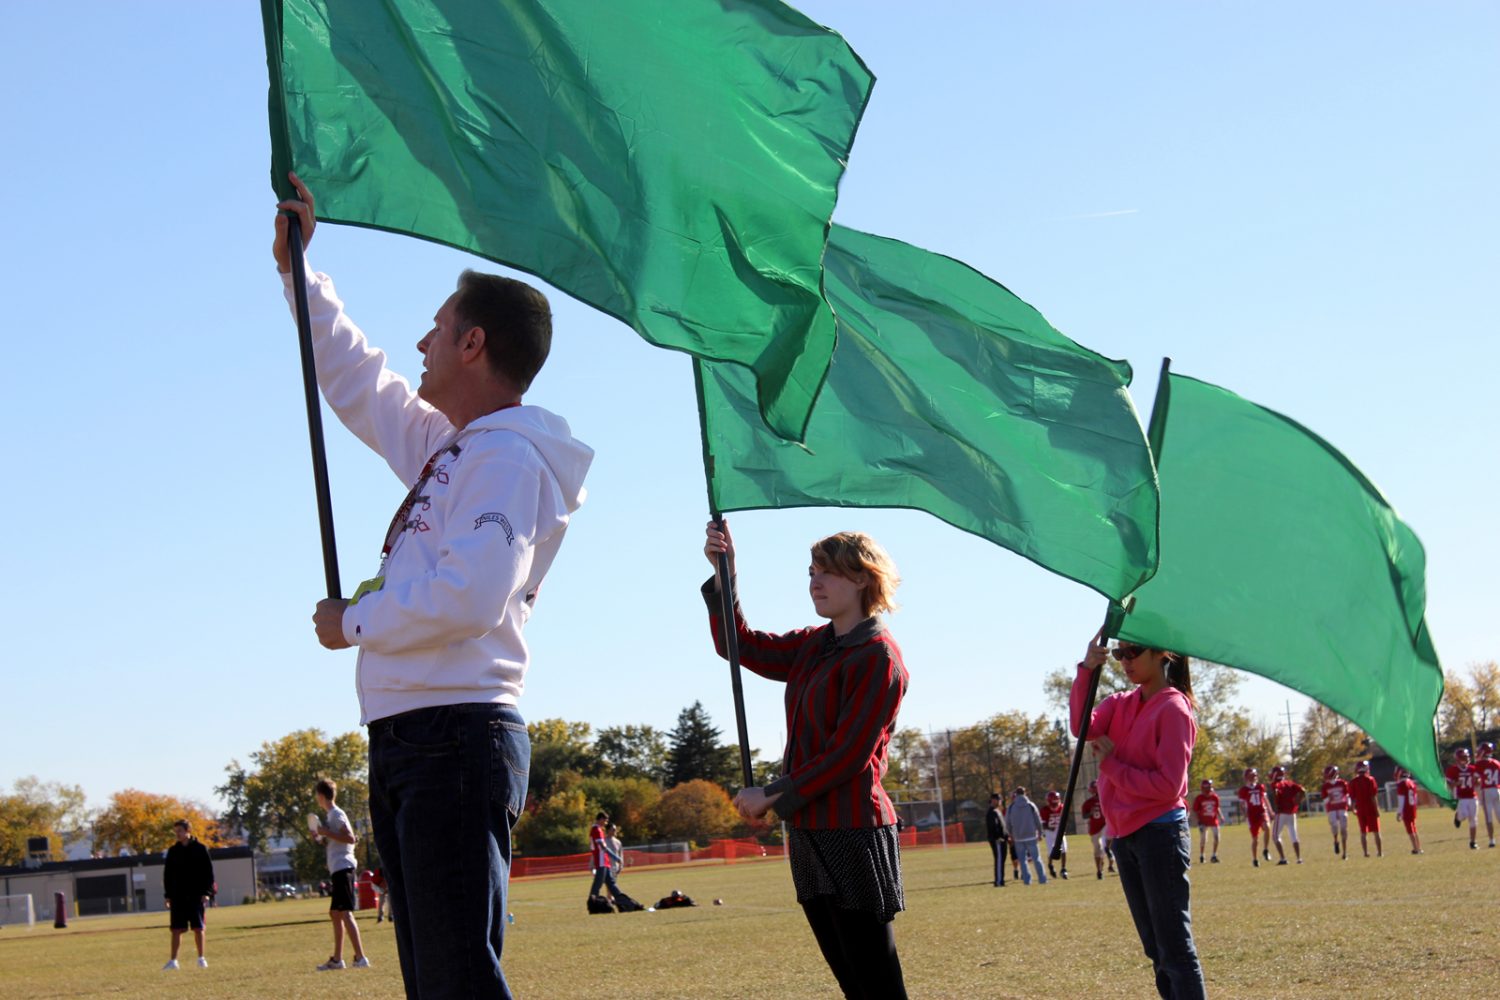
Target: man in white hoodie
(442,660)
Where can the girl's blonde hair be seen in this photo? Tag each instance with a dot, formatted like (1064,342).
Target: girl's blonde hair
(853,554)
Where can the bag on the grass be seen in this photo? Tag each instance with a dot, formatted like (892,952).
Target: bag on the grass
(625,904)
(598,904)
(675,899)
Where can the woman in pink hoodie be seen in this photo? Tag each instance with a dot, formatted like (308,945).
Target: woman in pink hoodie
(1143,740)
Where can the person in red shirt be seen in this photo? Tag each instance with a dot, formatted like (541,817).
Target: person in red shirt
(1206,808)
(1335,793)
(1489,786)
(1406,806)
(1364,791)
(845,680)
(1463,784)
(1093,811)
(1052,824)
(1253,798)
(1287,796)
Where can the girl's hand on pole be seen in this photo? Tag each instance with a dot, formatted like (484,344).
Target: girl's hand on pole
(717,540)
(753,803)
(1098,651)
(1103,746)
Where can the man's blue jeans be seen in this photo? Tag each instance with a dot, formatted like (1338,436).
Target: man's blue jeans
(1026,850)
(446,786)
(1153,863)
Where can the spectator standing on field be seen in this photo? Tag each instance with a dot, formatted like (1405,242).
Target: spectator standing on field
(994,830)
(844,685)
(600,858)
(1024,821)
(339,839)
(442,654)
(188,883)
(1364,791)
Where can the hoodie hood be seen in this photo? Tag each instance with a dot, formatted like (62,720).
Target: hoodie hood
(567,457)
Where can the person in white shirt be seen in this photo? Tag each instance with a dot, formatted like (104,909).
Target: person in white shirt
(339,837)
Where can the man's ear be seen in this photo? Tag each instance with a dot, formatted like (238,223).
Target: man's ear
(471,344)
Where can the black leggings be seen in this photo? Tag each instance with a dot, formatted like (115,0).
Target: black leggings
(859,948)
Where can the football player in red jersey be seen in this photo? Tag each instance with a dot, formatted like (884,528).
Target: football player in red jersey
(1363,790)
(1052,823)
(1287,796)
(1463,784)
(1094,813)
(1336,806)
(1406,806)
(1489,786)
(1206,808)
(1252,795)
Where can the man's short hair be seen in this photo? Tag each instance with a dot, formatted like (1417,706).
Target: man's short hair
(1020,789)
(994,795)
(182,824)
(326,788)
(516,319)
(601,817)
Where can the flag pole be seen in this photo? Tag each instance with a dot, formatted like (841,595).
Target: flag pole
(314,411)
(726,594)
(1110,619)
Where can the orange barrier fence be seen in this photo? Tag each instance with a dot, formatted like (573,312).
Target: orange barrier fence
(726,851)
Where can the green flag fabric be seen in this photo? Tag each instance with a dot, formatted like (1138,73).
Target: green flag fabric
(948,394)
(673,163)
(1279,557)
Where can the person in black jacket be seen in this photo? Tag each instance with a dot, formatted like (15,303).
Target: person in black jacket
(994,826)
(188,881)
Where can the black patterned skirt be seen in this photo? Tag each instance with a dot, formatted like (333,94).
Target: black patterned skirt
(859,868)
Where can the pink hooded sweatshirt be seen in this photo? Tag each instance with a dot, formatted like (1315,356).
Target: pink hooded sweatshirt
(1147,774)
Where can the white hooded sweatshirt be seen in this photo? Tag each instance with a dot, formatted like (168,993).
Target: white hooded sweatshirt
(445,625)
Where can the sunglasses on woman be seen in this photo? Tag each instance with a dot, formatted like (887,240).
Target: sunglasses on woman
(1126,651)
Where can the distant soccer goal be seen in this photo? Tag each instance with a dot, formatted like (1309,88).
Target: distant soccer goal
(17,911)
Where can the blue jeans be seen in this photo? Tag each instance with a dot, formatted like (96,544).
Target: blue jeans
(1026,851)
(446,786)
(1153,864)
(604,877)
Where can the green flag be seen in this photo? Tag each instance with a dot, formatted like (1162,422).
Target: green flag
(1279,557)
(948,394)
(673,163)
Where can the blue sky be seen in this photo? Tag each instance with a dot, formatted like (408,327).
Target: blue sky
(1294,201)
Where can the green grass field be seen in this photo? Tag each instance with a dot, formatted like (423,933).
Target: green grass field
(1400,926)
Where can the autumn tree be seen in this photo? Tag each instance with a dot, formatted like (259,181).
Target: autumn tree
(1325,738)
(272,797)
(695,751)
(633,752)
(1469,707)
(558,748)
(628,801)
(35,808)
(140,822)
(558,824)
(696,810)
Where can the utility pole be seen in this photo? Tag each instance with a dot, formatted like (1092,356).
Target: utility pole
(1291,737)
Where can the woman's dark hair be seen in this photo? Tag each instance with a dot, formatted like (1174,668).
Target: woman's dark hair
(1180,675)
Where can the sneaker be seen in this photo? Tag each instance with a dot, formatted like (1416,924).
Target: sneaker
(1335,848)
(171,966)
(331,964)
(1282,861)
(1099,876)
(1473,846)
(362,962)
(1492,841)
(1200,859)
(1265,855)
(1064,874)
(202,962)
(1111,869)
(1255,862)
(1299,861)
(1213,859)
(1456,823)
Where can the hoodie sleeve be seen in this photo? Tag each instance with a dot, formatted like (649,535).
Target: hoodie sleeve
(1103,711)
(377,405)
(484,557)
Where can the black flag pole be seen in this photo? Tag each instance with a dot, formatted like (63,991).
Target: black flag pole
(1157,413)
(314,411)
(726,596)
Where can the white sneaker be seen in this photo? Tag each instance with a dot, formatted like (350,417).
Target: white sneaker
(202,962)
(362,962)
(171,966)
(331,964)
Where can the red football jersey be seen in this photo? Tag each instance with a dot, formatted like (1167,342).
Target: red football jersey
(1336,794)
(1363,791)
(1206,808)
(1051,815)
(1254,797)
(1094,813)
(597,856)
(1489,772)
(1463,779)
(1408,789)
(1288,794)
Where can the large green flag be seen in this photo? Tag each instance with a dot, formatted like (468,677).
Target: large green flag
(1279,557)
(948,394)
(672,162)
